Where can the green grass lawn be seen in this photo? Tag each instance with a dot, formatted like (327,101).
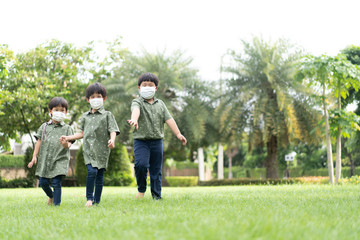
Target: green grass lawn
(245,212)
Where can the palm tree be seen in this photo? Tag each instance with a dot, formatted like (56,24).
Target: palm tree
(264,100)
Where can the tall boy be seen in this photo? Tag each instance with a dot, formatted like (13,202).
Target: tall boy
(54,155)
(148,115)
(99,130)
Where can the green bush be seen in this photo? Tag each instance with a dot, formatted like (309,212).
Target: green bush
(81,170)
(186,165)
(118,172)
(11,161)
(120,179)
(16,183)
(30,172)
(182,181)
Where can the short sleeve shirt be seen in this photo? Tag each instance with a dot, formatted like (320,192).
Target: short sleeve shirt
(53,159)
(151,120)
(97,127)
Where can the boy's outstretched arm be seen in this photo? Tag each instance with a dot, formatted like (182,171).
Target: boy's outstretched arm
(172,124)
(72,137)
(134,118)
(35,154)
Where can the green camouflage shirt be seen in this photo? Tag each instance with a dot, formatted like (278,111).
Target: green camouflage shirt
(53,159)
(151,120)
(97,128)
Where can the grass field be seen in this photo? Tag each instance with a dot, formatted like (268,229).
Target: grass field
(245,212)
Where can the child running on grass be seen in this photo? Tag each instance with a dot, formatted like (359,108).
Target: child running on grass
(148,115)
(51,155)
(99,130)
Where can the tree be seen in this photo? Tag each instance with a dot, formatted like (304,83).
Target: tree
(34,77)
(264,100)
(335,75)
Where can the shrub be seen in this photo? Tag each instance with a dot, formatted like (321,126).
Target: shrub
(30,172)
(119,179)
(186,165)
(16,183)
(81,170)
(182,181)
(118,172)
(11,161)
(247,181)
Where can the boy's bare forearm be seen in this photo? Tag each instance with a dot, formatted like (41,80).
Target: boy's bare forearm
(113,136)
(37,148)
(135,114)
(173,126)
(75,136)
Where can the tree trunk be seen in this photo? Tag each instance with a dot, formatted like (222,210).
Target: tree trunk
(220,165)
(338,148)
(328,141)
(271,159)
(338,157)
(201,164)
(230,170)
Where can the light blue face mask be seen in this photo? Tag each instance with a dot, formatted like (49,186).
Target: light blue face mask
(147,92)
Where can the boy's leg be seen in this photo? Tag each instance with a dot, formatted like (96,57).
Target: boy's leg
(99,183)
(142,158)
(90,182)
(156,159)
(45,185)
(56,184)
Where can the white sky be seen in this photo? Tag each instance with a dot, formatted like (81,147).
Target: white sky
(204,29)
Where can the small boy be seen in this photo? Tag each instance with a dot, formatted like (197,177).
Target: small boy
(54,155)
(99,130)
(148,115)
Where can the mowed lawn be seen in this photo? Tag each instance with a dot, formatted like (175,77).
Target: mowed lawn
(243,212)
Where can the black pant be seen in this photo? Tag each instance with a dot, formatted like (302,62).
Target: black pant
(149,155)
(56,184)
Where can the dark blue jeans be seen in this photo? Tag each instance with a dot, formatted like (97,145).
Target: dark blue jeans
(95,178)
(56,184)
(148,155)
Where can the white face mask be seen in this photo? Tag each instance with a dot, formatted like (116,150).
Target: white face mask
(147,92)
(58,116)
(96,103)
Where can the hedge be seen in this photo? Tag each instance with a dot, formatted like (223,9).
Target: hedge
(182,181)
(247,181)
(11,161)
(241,172)
(16,183)
(250,181)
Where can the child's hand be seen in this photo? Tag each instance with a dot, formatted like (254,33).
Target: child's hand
(111,143)
(64,142)
(33,161)
(63,138)
(133,123)
(182,138)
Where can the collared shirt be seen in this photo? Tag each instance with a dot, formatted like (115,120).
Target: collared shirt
(97,127)
(151,120)
(53,158)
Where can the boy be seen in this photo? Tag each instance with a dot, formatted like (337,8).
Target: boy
(148,115)
(99,130)
(54,156)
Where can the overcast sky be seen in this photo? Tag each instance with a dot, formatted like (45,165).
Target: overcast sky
(203,29)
